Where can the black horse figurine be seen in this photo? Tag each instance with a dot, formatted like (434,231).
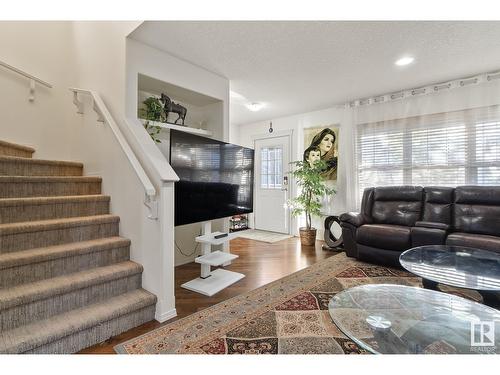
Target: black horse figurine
(170,106)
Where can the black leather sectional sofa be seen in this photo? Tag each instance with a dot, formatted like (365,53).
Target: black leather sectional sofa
(397,218)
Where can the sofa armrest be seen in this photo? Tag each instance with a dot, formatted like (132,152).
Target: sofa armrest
(432,225)
(353,218)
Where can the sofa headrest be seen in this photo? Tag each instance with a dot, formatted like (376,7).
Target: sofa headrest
(399,193)
(480,195)
(438,194)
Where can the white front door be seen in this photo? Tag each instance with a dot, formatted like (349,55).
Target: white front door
(272,157)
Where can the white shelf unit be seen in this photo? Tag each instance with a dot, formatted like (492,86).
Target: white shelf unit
(217,258)
(218,280)
(211,282)
(186,129)
(210,238)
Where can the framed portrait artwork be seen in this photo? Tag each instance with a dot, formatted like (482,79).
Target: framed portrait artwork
(322,143)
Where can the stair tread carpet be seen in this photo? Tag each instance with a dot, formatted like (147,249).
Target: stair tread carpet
(52,224)
(66,278)
(44,179)
(43,254)
(24,149)
(33,201)
(15,210)
(43,186)
(21,160)
(20,166)
(27,293)
(39,333)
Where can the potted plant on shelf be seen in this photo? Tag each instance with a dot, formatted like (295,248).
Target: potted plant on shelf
(153,111)
(312,186)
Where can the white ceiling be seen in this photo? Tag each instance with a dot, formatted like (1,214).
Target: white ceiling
(295,67)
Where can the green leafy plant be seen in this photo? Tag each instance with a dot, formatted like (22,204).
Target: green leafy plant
(153,131)
(312,186)
(153,110)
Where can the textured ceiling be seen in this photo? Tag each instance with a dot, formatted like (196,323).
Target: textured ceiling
(295,67)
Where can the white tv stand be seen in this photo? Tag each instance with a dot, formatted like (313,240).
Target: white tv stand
(211,282)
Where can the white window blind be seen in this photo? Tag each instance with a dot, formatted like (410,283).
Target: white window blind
(445,149)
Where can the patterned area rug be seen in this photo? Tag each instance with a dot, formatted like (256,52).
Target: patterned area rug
(288,316)
(263,236)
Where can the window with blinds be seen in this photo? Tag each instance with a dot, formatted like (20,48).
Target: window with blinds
(446,149)
(271,162)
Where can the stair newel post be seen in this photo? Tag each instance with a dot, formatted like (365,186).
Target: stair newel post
(206,248)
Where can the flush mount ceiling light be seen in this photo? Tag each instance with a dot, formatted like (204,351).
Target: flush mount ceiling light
(404,61)
(254,107)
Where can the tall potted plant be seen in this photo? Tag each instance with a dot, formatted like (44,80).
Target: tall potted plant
(312,186)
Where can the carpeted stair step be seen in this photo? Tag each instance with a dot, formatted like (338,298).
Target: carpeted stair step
(34,234)
(18,166)
(13,149)
(66,281)
(32,265)
(15,210)
(78,329)
(40,300)
(38,186)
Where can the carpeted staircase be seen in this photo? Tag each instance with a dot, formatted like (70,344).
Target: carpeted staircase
(66,281)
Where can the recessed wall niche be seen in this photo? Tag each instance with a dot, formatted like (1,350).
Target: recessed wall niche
(204,113)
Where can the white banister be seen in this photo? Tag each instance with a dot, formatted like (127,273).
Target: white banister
(33,79)
(160,166)
(104,116)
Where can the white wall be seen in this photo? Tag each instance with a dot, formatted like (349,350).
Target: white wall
(42,49)
(101,59)
(149,61)
(245,135)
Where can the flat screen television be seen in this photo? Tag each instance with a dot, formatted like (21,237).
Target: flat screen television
(215,178)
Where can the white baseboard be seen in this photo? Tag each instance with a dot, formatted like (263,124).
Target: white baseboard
(166,315)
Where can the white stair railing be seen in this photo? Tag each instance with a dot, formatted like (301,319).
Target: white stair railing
(104,116)
(33,80)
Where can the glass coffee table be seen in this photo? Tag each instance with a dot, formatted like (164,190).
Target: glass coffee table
(457,266)
(397,319)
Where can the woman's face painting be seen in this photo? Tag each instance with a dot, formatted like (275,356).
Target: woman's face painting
(326,144)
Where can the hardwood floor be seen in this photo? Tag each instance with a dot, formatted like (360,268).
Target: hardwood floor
(261,262)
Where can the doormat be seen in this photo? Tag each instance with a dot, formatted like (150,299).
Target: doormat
(263,236)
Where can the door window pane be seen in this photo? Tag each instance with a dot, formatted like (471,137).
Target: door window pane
(263,180)
(271,168)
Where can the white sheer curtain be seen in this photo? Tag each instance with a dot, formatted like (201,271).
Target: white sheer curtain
(448,138)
